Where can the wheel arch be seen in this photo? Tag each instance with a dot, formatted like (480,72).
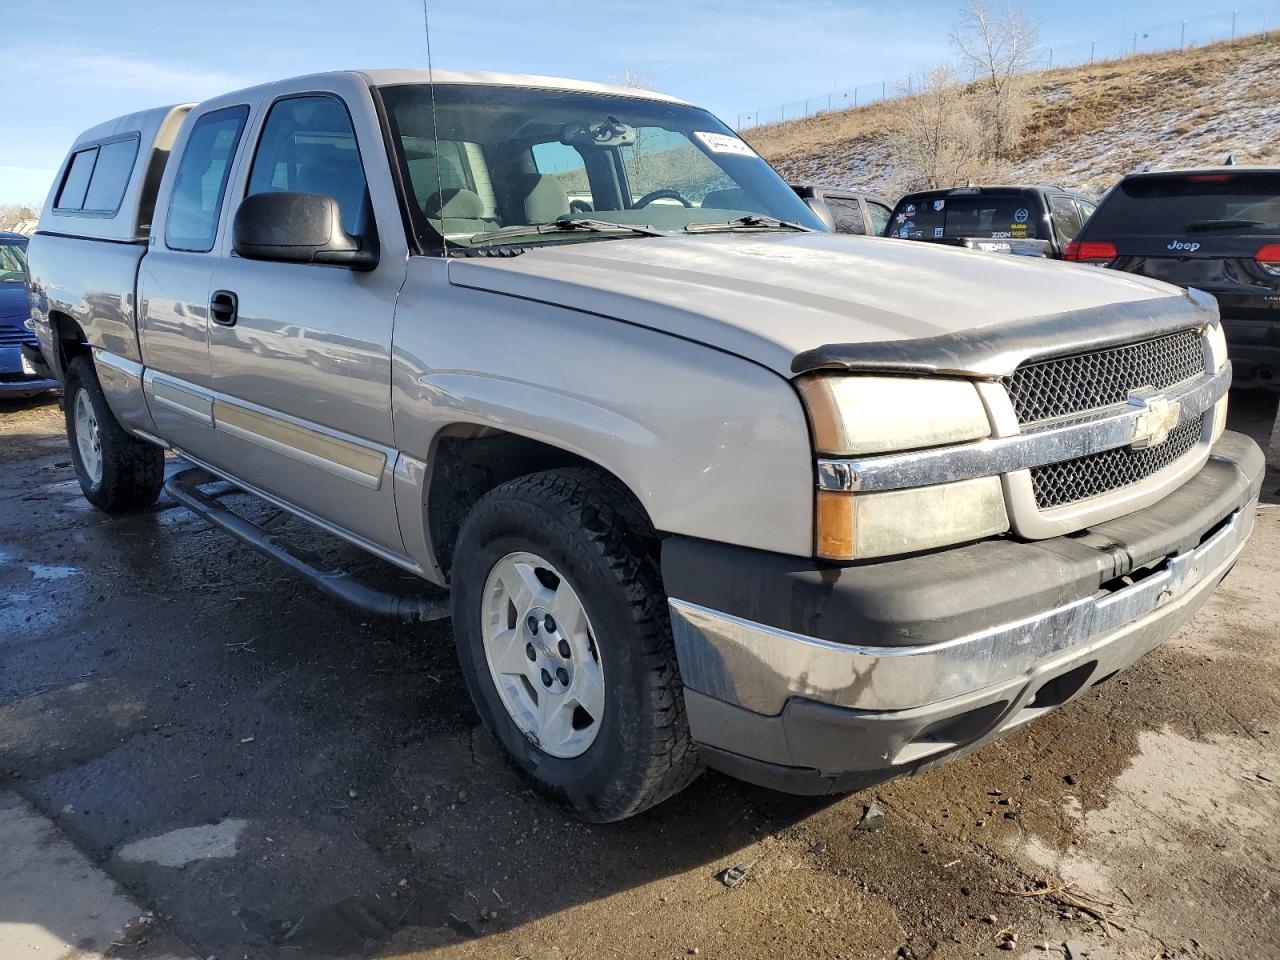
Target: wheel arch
(69,339)
(467,461)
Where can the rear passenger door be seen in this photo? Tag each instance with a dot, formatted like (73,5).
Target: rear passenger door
(173,281)
(302,366)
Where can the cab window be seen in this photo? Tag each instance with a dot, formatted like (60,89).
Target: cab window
(565,164)
(879,215)
(309,146)
(847,215)
(201,180)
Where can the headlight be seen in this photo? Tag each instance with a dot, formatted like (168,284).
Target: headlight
(865,415)
(1218,350)
(853,415)
(1219,418)
(1217,344)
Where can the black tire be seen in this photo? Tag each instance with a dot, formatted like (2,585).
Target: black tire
(132,469)
(584,523)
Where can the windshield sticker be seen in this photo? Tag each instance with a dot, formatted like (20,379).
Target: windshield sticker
(1020,215)
(937,233)
(723,143)
(999,234)
(911,210)
(939,204)
(1018,229)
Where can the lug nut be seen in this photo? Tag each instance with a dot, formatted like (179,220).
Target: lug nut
(565,651)
(533,625)
(530,652)
(550,623)
(562,675)
(546,679)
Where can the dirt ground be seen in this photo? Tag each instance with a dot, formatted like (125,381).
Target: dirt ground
(277,777)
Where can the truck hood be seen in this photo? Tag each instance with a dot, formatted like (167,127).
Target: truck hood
(788,301)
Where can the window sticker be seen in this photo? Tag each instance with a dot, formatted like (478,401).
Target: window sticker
(911,210)
(1020,215)
(939,204)
(723,143)
(937,233)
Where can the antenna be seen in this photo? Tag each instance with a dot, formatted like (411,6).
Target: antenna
(435,128)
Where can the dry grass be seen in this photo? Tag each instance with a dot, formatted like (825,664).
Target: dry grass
(1069,106)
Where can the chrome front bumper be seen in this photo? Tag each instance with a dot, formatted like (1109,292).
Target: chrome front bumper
(760,668)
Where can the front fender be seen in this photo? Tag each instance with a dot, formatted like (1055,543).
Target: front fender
(712,445)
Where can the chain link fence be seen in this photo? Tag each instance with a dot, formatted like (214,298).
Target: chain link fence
(1126,41)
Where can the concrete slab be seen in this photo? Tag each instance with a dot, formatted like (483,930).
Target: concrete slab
(54,903)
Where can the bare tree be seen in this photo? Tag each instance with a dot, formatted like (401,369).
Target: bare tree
(629,78)
(998,43)
(937,140)
(15,215)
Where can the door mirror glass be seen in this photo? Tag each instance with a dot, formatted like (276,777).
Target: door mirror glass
(294,227)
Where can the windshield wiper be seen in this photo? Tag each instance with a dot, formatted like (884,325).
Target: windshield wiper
(568,224)
(751,220)
(1199,226)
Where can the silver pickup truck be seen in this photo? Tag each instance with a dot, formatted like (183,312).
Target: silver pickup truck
(699,482)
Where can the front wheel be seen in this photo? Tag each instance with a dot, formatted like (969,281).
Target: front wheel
(117,471)
(565,642)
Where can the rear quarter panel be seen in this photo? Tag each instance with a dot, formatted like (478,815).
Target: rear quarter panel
(92,283)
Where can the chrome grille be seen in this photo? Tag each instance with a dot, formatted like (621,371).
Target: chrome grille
(1098,473)
(1058,387)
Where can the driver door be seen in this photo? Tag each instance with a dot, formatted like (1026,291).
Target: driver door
(301,352)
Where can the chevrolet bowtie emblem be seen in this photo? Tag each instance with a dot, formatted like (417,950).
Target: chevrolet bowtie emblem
(1157,416)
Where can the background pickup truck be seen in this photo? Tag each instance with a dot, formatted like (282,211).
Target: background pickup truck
(706,483)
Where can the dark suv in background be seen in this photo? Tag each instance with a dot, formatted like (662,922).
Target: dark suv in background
(1216,229)
(1026,221)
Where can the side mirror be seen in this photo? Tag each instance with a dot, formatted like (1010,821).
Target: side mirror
(297,228)
(822,210)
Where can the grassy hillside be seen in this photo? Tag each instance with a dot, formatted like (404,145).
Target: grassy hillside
(1088,124)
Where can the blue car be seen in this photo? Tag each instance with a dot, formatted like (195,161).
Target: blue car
(19,375)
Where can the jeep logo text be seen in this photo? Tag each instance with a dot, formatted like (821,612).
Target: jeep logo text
(1184,245)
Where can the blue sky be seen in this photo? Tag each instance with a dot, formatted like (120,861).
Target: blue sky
(89,60)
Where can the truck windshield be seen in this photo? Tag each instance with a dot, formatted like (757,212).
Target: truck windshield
(998,216)
(13,261)
(505,157)
(1212,205)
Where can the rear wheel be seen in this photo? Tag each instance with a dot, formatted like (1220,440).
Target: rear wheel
(117,471)
(565,642)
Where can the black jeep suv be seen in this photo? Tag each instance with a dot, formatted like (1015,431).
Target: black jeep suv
(1215,229)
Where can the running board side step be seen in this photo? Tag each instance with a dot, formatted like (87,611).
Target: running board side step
(410,608)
